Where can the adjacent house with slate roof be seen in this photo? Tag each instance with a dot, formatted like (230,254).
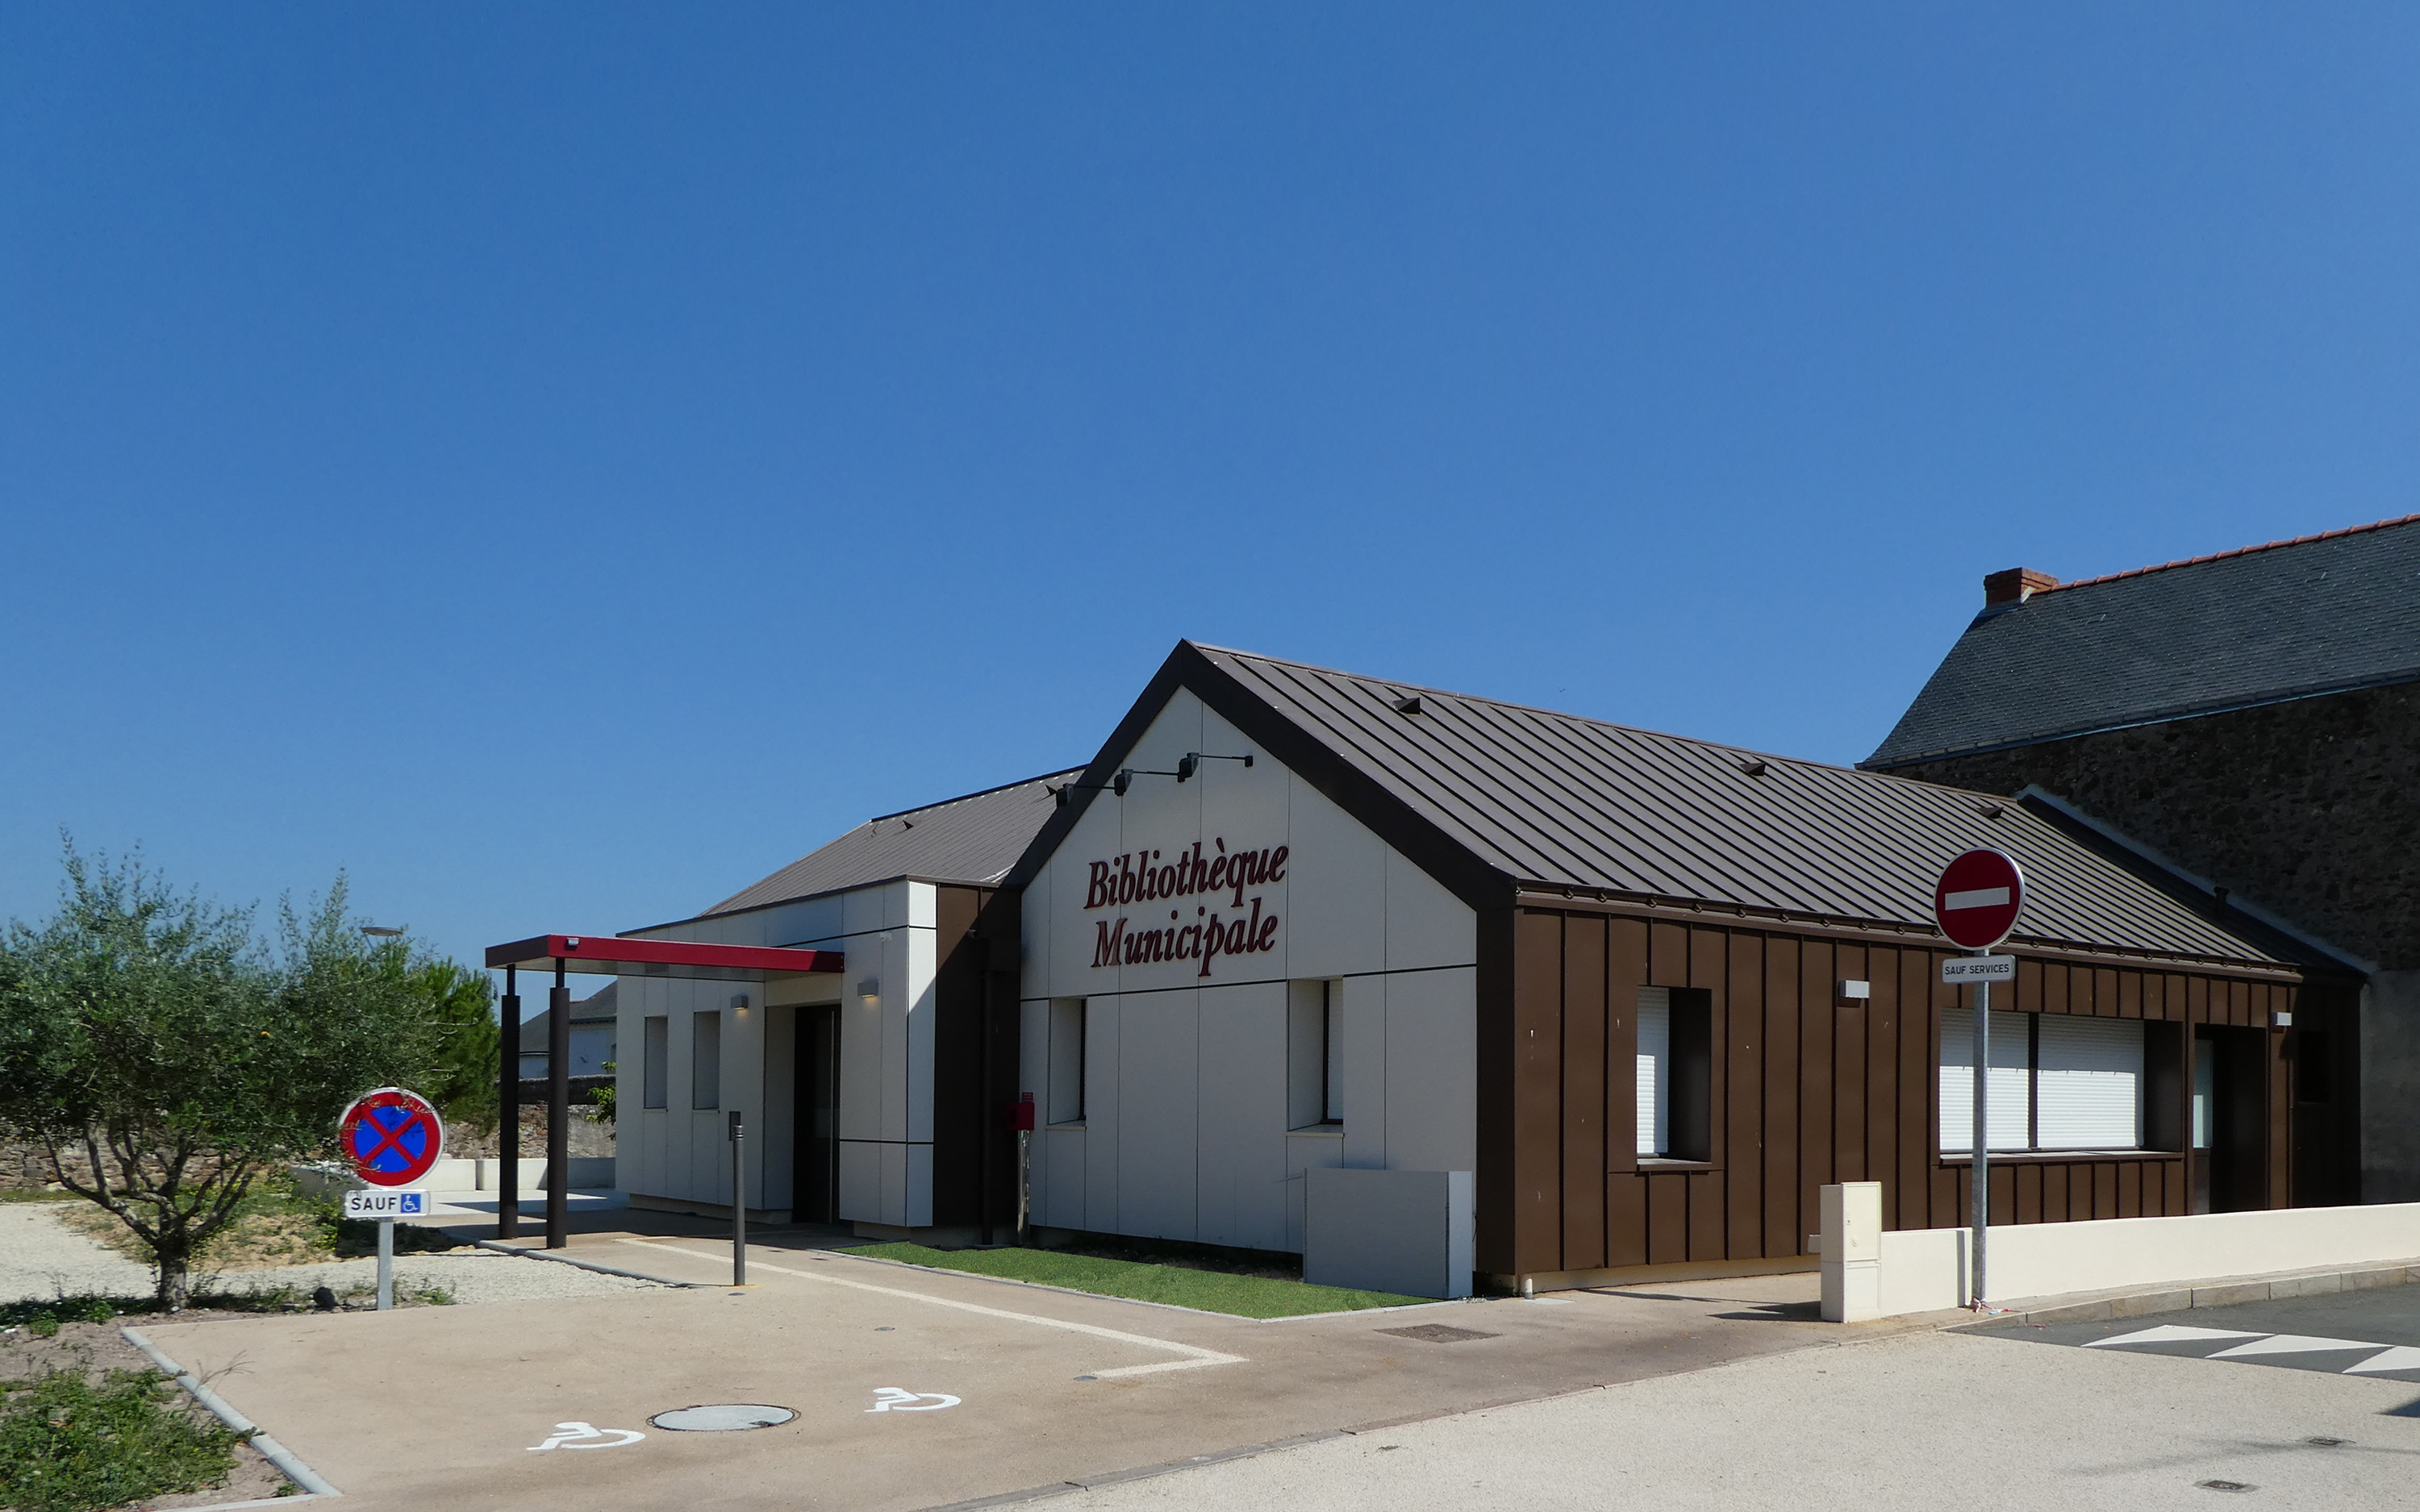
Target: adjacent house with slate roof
(2249,721)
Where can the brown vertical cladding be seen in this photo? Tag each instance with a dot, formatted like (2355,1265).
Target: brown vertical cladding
(1812,1087)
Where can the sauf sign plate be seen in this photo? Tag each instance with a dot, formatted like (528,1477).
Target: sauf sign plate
(386,1202)
(1964,968)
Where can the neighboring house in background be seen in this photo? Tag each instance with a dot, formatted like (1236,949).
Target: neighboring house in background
(2249,721)
(594,1025)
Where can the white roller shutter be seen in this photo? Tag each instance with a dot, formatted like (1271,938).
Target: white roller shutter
(1654,1070)
(2089,1082)
(2007,1081)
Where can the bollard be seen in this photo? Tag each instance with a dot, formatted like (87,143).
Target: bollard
(738,1205)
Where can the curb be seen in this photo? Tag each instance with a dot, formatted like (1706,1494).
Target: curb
(2222,1293)
(269,1448)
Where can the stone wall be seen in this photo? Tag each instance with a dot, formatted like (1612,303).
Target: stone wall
(2311,809)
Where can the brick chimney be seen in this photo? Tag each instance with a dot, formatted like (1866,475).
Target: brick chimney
(2002,589)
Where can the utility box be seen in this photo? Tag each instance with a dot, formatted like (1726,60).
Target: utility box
(1408,1232)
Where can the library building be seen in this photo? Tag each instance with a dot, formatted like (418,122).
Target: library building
(1443,994)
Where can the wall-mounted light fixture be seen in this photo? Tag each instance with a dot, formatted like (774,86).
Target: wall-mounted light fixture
(869,990)
(1857,991)
(1193,759)
(739,1002)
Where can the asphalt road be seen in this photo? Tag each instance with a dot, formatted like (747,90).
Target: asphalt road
(1935,1422)
(2373,1333)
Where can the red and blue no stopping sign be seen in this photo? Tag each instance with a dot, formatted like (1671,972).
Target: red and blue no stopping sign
(392,1136)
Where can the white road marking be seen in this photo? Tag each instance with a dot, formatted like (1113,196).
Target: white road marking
(567,1436)
(1976,897)
(2396,1357)
(897,1400)
(1195,1357)
(2171,1334)
(2293,1344)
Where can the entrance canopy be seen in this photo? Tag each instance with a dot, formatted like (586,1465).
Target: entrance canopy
(605,955)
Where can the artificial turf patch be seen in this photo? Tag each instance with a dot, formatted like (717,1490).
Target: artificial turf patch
(1212,1291)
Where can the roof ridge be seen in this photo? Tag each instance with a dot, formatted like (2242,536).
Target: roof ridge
(979,793)
(1536,708)
(2222,556)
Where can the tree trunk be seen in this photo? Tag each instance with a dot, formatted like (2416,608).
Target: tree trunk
(174,1258)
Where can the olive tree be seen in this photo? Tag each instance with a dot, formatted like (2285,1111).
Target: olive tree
(165,1056)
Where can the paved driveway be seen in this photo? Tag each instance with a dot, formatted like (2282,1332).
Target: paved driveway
(912,1388)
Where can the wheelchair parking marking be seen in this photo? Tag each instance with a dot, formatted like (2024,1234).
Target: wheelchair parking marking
(568,1436)
(895,1399)
(1195,1357)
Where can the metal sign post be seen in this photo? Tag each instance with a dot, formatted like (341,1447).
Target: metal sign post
(1976,903)
(739,1204)
(383,1206)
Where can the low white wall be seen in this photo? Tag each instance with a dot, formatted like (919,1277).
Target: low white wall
(1923,1270)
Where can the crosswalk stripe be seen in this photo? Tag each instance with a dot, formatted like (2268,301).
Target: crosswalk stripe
(2399,1357)
(2172,1334)
(2293,1344)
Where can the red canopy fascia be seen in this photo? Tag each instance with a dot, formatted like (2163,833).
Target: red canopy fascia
(605,955)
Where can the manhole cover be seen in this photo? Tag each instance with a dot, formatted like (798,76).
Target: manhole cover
(1436,1334)
(728,1418)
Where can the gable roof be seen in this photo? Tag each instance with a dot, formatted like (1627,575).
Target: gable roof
(1496,799)
(972,840)
(2294,619)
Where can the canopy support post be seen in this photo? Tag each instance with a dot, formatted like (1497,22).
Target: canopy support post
(558,1110)
(508,1109)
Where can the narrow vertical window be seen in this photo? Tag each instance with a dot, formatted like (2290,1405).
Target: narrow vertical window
(1676,1057)
(1654,1071)
(1314,1054)
(706,1059)
(656,1063)
(1067,1035)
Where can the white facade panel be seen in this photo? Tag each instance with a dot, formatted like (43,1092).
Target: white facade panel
(1240,1195)
(1158,1082)
(860,1182)
(1185,1129)
(1432,1043)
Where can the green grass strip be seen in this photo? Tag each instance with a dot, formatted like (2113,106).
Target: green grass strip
(1212,1291)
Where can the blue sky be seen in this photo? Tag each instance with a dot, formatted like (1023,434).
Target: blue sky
(561,463)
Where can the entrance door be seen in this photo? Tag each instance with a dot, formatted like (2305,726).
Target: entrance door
(815,1186)
(2230,1123)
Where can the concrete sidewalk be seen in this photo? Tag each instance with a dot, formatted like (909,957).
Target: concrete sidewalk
(445,1407)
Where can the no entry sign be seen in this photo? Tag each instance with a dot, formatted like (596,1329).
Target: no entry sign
(1978,899)
(392,1136)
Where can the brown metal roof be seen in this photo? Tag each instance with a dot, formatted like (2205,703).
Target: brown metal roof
(973,840)
(1553,800)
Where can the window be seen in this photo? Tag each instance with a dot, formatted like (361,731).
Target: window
(656,1065)
(1067,1029)
(1314,1054)
(706,1059)
(2057,1082)
(1675,1074)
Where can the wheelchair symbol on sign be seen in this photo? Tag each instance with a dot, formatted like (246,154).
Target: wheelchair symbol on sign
(569,1436)
(892,1399)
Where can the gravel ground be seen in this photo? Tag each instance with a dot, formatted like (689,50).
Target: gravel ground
(41,1257)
